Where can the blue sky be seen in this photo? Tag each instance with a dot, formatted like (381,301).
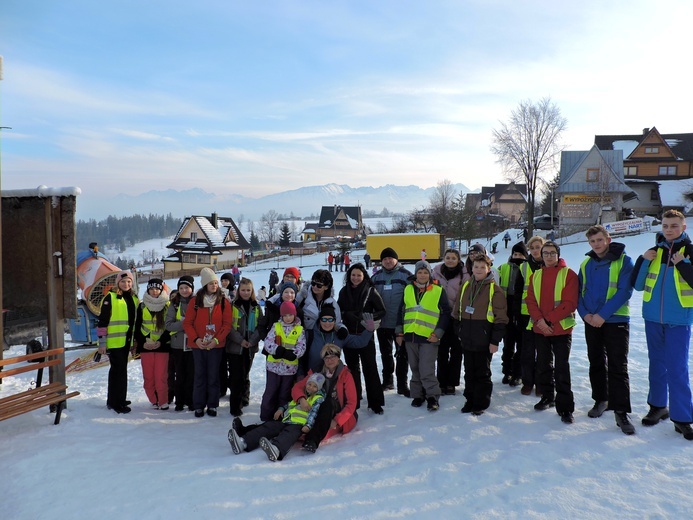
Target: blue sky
(259,97)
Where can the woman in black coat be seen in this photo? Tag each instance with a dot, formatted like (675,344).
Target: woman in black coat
(358,296)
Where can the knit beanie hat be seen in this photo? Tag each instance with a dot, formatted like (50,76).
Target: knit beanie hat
(287,308)
(124,274)
(186,280)
(477,248)
(520,247)
(318,379)
(327,310)
(207,276)
(293,271)
(287,285)
(422,264)
(227,276)
(156,283)
(388,252)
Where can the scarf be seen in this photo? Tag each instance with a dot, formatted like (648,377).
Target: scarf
(448,273)
(155,304)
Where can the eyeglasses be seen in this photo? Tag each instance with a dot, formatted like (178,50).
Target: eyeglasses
(326,319)
(330,354)
(549,253)
(317,284)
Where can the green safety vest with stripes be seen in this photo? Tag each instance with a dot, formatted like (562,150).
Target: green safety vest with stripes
(566,323)
(683,290)
(421,317)
(119,323)
(526,271)
(147,328)
(490,317)
(294,414)
(254,316)
(288,342)
(614,272)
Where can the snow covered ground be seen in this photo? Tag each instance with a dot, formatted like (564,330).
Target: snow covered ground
(512,462)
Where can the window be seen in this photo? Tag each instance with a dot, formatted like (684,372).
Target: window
(630,171)
(193,236)
(654,194)
(592,175)
(652,149)
(667,170)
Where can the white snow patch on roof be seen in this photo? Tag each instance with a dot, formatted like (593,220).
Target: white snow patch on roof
(626,146)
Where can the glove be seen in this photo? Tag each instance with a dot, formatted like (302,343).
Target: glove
(342,332)
(368,322)
(101,331)
(278,340)
(289,355)
(280,353)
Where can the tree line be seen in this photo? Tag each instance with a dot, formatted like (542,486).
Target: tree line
(123,231)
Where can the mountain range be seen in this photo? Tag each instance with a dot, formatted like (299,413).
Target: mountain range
(302,202)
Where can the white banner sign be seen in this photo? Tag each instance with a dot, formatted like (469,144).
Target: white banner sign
(624,227)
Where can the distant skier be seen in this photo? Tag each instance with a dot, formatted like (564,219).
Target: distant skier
(506,239)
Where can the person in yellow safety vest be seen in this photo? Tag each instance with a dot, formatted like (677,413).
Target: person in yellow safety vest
(277,437)
(482,310)
(529,348)
(422,322)
(512,280)
(115,330)
(285,343)
(665,274)
(154,342)
(604,291)
(551,301)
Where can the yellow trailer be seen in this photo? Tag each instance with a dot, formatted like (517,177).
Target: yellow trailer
(409,246)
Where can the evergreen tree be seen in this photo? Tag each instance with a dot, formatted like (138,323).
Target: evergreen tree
(285,235)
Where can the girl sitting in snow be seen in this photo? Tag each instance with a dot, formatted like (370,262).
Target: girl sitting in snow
(277,437)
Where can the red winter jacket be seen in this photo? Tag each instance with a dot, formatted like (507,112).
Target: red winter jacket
(197,318)
(569,299)
(346,395)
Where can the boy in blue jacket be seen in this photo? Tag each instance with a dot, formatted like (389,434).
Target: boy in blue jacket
(665,274)
(604,291)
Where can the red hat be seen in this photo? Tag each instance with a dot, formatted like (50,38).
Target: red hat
(293,271)
(287,308)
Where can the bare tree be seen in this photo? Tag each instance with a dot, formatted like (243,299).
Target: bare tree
(529,144)
(268,225)
(463,225)
(441,205)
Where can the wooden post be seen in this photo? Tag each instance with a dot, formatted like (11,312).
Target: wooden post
(55,318)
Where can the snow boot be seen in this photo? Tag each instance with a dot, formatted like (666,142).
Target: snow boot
(623,422)
(598,409)
(656,414)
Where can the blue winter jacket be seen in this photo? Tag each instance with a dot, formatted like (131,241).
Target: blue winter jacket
(664,306)
(593,301)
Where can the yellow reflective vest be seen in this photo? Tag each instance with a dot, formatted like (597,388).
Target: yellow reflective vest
(294,414)
(489,311)
(119,323)
(288,342)
(683,290)
(421,317)
(614,272)
(147,327)
(566,323)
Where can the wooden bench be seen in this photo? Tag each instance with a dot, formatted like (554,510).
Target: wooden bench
(53,394)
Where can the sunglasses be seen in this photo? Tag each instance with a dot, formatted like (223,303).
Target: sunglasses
(326,319)
(330,354)
(317,284)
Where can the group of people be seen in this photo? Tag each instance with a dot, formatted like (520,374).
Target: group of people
(429,324)
(341,261)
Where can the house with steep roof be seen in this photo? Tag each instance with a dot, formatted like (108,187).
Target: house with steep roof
(337,221)
(652,162)
(651,155)
(591,188)
(202,241)
(506,201)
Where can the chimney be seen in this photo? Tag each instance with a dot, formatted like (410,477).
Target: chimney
(645,131)
(213,219)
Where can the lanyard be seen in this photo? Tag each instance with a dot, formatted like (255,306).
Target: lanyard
(473,294)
